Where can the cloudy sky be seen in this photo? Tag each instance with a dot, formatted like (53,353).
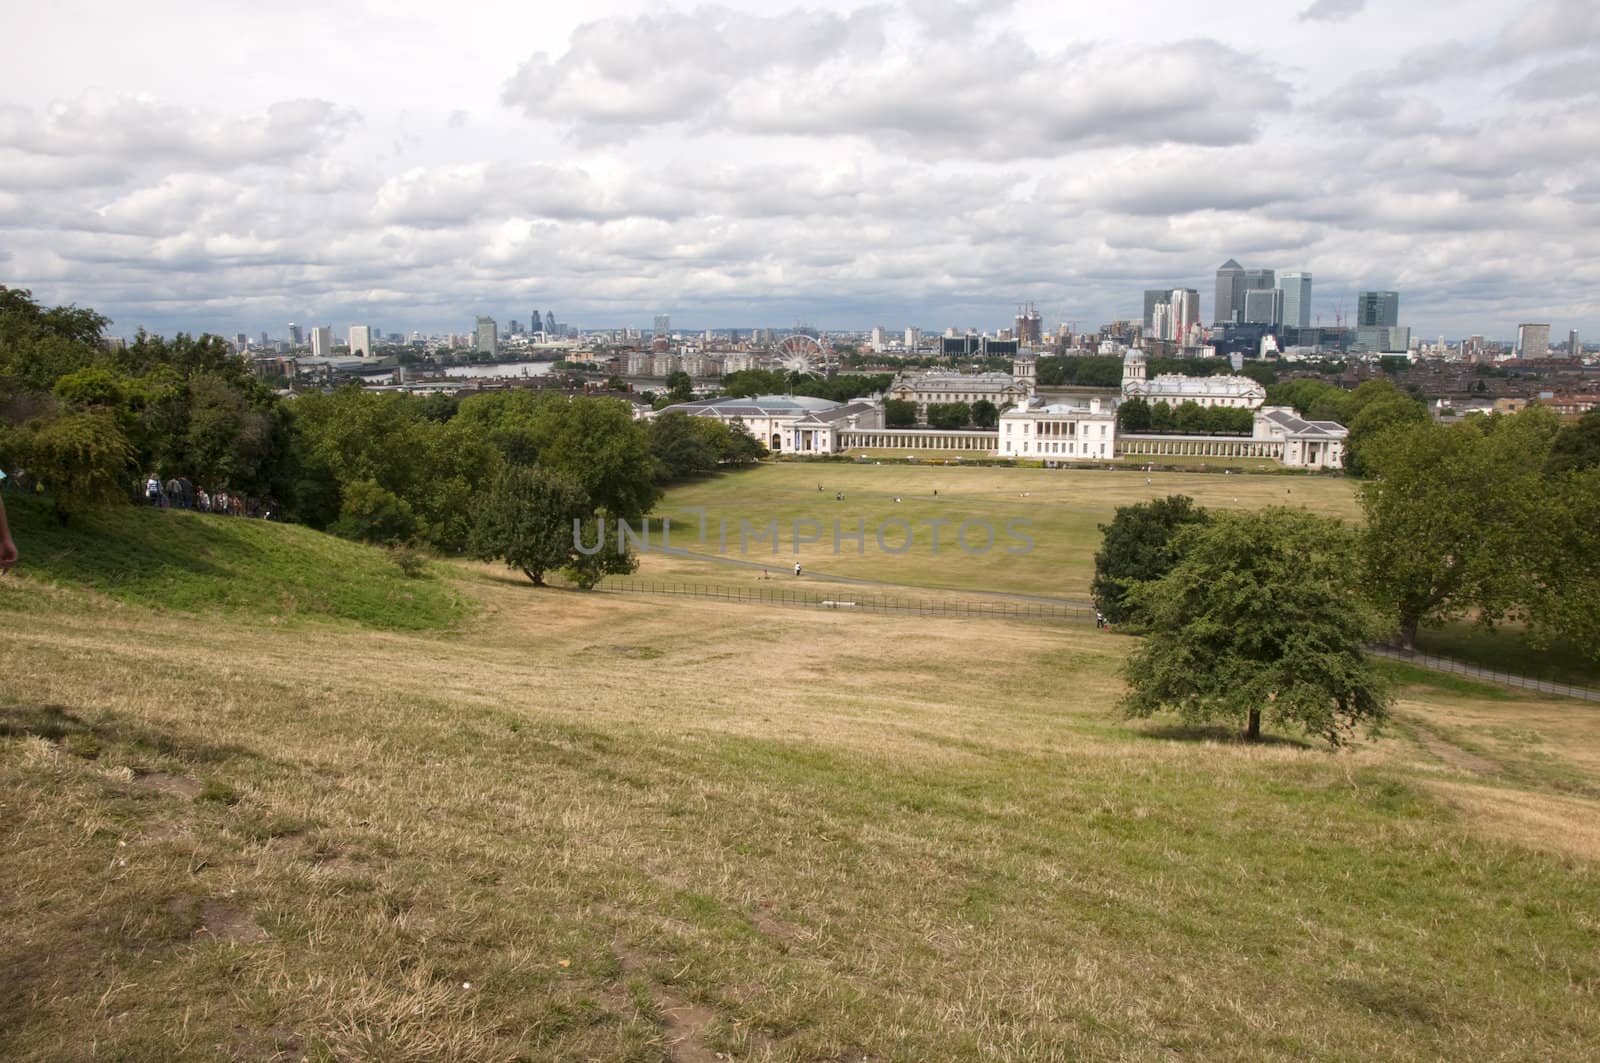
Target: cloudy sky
(231,165)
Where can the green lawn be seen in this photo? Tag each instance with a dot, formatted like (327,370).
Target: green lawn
(264,572)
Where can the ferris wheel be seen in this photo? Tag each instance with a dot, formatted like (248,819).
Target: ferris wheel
(804,354)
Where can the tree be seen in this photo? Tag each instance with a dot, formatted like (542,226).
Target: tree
(1133,415)
(1450,516)
(526,520)
(680,451)
(949,415)
(985,414)
(900,413)
(1373,420)
(1137,546)
(82,459)
(680,386)
(1257,622)
(1577,446)
(371,513)
(1565,574)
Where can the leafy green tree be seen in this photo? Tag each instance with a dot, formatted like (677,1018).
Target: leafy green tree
(81,458)
(1138,546)
(371,513)
(1565,583)
(680,386)
(1161,417)
(680,451)
(985,414)
(748,383)
(526,521)
(900,413)
(1577,446)
(949,415)
(1372,421)
(1257,622)
(1450,514)
(611,559)
(1133,415)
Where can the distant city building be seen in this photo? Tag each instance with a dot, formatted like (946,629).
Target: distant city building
(1378,309)
(296,338)
(1175,389)
(1574,348)
(360,341)
(1154,297)
(1382,339)
(1230,293)
(663,324)
(487,337)
(1029,326)
(550,322)
(1296,288)
(1533,341)
(322,341)
(942,386)
(1263,306)
(265,341)
(913,339)
(877,339)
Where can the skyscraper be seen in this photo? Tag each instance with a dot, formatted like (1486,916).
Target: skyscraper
(322,341)
(1185,313)
(913,337)
(550,321)
(1263,306)
(663,324)
(1574,348)
(1030,326)
(1378,309)
(487,338)
(1230,293)
(1154,297)
(1533,341)
(1297,300)
(360,341)
(295,336)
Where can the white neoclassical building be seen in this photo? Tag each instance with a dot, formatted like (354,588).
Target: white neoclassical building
(1175,389)
(1060,432)
(790,424)
(1306,444)
(935,386)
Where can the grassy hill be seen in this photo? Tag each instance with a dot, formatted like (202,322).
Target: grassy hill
(605,827)
(251,569)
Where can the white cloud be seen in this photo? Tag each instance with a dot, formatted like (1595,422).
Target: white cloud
(1332,10)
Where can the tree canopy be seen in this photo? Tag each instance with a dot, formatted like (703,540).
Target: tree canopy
(1257,621)
(1138,546)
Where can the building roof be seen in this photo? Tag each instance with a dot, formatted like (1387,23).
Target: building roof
(1297,426)
(760,406)
(1176,384)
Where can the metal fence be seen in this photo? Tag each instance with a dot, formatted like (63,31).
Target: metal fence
(1445,664)
(846,597)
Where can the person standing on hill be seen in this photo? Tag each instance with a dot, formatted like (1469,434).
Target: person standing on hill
(8,547)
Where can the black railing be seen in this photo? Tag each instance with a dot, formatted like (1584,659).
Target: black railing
(845,598)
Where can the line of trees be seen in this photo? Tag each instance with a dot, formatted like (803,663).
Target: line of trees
(1187,418)
(84,423)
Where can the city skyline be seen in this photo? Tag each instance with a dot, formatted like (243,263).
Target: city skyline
(772,163)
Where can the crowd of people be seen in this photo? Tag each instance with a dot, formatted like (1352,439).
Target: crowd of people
(178,492)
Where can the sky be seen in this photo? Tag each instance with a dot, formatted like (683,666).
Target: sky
(230,166)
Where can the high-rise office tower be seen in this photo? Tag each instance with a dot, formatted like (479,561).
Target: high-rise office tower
(360,341)
(663,324)
(322,341)
(487,336)
(295,336)
(1185,304)
(550,321)
(1263,306)
(1574,348)
(1254,280)
(265,341)
(1154,297)
(1533,341)
(1296,300)
(1230,293)
(877,339)
(1377,309)
(913,338)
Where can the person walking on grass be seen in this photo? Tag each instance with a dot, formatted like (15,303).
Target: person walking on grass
(797,568)
(8,546)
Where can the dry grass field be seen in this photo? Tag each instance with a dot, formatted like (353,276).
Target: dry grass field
(1062,508)
(609,827)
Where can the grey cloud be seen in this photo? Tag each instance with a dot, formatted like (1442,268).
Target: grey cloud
(1332,10)
(1548,26)
(141,132)
(1570,80)
(818,74)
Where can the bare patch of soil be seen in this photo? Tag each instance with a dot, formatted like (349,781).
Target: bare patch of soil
(684,1023)
(227,922)
(162,782)
(1455,756)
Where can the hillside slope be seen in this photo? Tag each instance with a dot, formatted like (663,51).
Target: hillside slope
(171,559)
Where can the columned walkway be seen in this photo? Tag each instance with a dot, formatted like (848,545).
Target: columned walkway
(1199,447)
